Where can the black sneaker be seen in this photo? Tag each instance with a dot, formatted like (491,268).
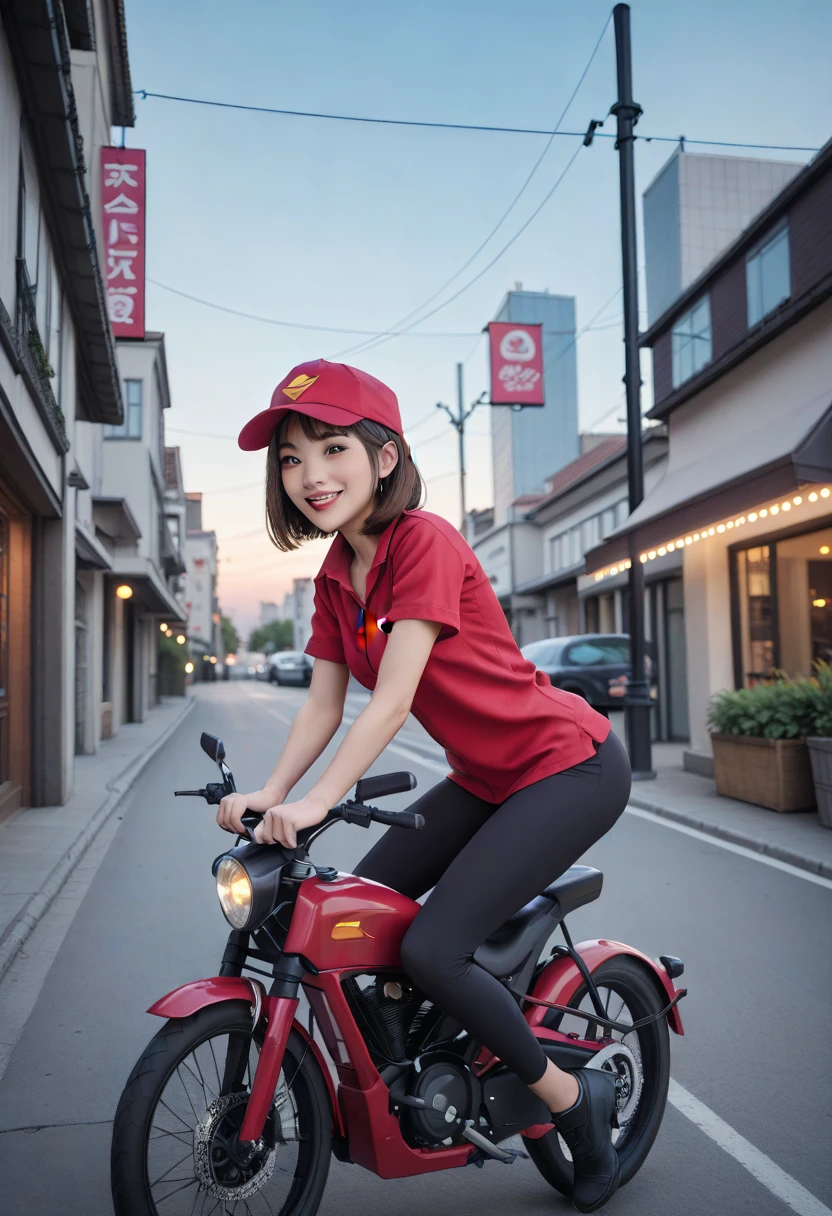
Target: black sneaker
(585,1127)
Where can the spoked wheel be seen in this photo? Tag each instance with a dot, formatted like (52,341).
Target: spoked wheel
(639,1060)
(176,1150)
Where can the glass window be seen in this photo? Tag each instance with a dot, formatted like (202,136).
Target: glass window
(542,654)
(768,276)
(608,521)
(131,428)
(622,511)
(555,552)
(592,532)
(599,652)
(691,342)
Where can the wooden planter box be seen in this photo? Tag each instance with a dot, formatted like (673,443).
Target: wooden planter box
(820,754)
(775,773)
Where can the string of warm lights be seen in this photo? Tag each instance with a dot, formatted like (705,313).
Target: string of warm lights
(729,525)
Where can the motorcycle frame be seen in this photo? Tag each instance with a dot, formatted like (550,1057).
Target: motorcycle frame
(366,1131)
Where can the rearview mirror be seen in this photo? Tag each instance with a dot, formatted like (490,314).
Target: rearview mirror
(212,747)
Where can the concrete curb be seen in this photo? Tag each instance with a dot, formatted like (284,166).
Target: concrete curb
(811,864)
(30,914)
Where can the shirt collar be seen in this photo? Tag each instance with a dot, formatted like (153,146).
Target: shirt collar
(336,564)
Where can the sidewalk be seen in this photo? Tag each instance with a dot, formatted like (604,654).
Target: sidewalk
(40,846)
(686,798)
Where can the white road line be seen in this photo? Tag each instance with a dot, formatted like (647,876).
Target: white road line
(774,862)
(761,1167)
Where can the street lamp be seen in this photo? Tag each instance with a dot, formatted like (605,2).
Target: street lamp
(181,639)
(124,592)
(163,627)
(189,668)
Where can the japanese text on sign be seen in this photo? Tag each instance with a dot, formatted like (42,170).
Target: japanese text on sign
(123,214)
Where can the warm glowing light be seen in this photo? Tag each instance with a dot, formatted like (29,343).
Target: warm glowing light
(651,554)
(643,558)
(696,536)
(813,497)
(711,531)
(786,506)
(180,637)
(168,633)
(824,492)
(688,540)
(189,667)
(818,603)
(671,547)
(163,627)
(824,549)
(613,569)
(763,513)
(752,518)
(230,660)
(797,500)
(662,551)
(730,523)
(124,592)
(774,510)
(599,576)
(213,658)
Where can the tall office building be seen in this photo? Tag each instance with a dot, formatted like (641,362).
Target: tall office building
(696,205)
(531,444)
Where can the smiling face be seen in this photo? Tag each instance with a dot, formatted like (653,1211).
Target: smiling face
(331,480)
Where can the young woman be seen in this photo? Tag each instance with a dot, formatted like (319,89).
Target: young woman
(402,603)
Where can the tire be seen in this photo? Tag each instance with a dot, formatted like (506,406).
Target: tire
(140,1146)
(629,980)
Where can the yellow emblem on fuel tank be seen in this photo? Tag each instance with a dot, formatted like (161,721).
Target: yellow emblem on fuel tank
(348,931)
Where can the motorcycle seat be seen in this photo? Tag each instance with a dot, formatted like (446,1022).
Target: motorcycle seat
(509,947)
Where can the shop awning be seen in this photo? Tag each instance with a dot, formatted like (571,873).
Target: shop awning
(89,551)
(148,587)
(789,451)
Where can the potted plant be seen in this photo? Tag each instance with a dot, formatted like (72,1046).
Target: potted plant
(759,743)
(819,743)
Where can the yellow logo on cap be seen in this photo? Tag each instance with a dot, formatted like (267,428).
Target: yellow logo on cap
(299,385)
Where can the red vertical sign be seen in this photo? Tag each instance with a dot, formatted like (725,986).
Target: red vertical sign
(516,363)
(122,210)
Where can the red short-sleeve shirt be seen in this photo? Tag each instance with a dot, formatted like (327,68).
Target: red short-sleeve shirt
(499,719)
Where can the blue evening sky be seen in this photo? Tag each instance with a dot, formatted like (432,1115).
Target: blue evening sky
(354,225)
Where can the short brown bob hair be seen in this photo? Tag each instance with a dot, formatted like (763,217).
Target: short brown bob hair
(403,487)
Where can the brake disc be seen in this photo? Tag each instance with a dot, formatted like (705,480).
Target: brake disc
(618,1059)
(205,1142)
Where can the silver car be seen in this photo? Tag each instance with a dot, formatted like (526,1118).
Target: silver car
(290,667)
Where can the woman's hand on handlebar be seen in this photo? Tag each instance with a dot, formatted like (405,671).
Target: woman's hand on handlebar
(281,824)
(234,806)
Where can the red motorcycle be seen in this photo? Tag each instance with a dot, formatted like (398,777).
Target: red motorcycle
(233,1107)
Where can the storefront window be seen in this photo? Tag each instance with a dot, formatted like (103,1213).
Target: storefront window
(785,606)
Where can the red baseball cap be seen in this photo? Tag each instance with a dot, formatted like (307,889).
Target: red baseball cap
(332,392)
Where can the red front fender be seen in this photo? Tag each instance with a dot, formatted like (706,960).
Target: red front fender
(184,1001)
(561,979)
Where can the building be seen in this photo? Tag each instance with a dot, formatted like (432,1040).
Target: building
(59,379)
(269,612)
(536,564)
(529,444)
(695,206)
(201,602)
(742,367)
(302,593)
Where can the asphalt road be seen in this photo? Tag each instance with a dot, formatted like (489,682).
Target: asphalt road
(748,1126)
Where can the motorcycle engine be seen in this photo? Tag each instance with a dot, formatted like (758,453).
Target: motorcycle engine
(434,1099)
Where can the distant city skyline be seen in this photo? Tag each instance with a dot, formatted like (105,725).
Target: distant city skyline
(336,224)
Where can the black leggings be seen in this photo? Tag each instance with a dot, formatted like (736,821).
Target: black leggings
(485,860)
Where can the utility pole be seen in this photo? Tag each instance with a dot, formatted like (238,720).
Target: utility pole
(638,704)
(458,420)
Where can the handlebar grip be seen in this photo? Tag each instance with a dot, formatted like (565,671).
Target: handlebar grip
(399,819)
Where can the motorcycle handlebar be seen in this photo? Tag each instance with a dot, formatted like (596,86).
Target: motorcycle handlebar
(399,819)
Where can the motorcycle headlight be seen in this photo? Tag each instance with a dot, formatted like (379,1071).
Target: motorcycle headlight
(234,891)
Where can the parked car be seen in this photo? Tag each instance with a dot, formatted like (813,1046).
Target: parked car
(596,666)
(290,667)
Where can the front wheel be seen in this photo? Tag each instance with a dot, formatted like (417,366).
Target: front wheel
(639,1060)
(175,1148)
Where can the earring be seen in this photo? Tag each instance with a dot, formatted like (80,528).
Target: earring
(380,486)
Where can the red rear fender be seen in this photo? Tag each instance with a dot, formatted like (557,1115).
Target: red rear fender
(561,979)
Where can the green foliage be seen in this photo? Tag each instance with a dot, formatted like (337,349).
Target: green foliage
(230,636)
(42,365)
(781,708)
(172,651)
(278,635)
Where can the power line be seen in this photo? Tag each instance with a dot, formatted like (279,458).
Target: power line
(493,261)
(511,205)
(456,126)
(328,329)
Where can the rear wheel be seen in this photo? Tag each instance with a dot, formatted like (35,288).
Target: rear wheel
(639,1060)
(175,1145)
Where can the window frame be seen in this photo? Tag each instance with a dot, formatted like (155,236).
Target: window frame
(132,410)
(679,375)
(755,259)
